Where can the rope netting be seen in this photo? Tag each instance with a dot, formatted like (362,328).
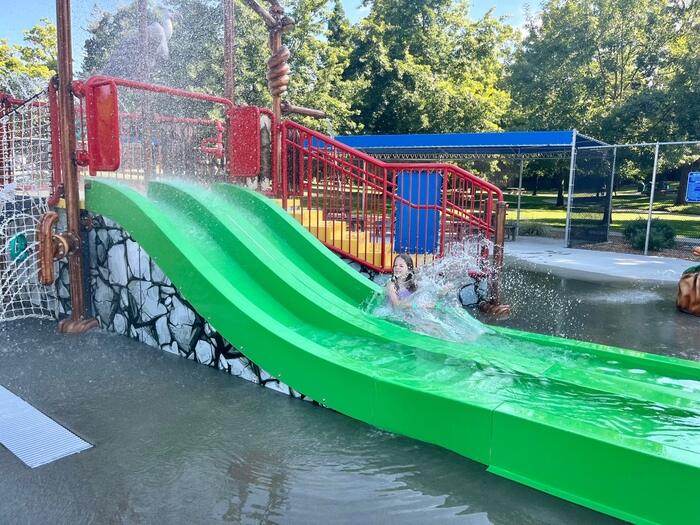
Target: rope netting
(25,186)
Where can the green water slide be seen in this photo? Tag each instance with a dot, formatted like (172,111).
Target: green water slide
(614,430)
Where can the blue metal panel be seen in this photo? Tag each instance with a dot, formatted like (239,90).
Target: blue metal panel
(692,193)
(416,230)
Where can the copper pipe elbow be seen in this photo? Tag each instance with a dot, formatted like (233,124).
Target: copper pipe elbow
(46,247)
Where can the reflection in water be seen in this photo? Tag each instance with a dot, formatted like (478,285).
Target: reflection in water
(178,443)
(260,485)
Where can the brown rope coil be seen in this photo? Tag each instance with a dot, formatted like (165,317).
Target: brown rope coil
(278,72)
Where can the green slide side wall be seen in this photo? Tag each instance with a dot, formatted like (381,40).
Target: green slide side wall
(264,311)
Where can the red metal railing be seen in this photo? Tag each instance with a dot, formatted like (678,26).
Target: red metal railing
(160,131)
(369,210)
(361,207)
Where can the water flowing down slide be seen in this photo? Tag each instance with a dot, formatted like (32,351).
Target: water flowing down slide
(614,430)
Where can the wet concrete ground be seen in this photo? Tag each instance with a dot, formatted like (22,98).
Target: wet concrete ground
(177,442)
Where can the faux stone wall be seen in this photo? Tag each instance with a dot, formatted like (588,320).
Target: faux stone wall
(132,296)
(379,278)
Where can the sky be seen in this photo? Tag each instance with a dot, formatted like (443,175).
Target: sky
(18,15)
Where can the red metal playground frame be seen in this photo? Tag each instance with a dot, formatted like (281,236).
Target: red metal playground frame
(422,209)
(360,207)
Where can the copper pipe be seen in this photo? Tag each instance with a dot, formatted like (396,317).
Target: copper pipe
(68,166)
(69,326)
(46,247)
(56,176)
(270,22)
(278,72)
(146,97)
(275,45)
(5,167)
(52,247)
(288,108)
(143,39)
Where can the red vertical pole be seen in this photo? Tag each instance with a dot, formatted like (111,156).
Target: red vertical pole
(280,161)
(443,219)
(390,219)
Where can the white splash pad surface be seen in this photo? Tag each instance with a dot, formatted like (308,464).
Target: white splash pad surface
(32,436)
(544,254)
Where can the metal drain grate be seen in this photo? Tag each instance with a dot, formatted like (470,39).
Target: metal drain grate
(34,437)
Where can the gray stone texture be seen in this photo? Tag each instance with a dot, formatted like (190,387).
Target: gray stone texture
(132,296)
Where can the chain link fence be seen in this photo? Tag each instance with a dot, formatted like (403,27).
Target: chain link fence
(636,198)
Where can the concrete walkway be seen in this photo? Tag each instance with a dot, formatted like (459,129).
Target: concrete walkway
(545,254)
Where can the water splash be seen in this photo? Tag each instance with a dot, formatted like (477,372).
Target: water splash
(542,302)
(22,86)
(435,308)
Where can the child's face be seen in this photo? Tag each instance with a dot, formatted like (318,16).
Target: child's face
(400,268)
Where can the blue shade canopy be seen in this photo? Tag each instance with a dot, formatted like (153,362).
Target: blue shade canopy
(495,143)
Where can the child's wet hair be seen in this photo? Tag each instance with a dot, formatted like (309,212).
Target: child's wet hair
(410,281)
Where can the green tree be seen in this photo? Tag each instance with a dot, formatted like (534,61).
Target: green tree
(34,61)
(581,59)
(620,70)
(320,51)
(196,54)
(427,68)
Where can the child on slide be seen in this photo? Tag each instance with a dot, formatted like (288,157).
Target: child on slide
(402,284)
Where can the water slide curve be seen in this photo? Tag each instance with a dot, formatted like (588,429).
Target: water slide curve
(614,430)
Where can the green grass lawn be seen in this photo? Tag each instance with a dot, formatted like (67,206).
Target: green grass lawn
(628,205)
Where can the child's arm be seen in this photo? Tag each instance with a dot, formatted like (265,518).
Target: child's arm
(391,294)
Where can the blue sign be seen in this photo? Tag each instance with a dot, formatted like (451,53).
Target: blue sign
(692,194)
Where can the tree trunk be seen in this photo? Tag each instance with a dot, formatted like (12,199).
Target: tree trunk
(560,193)
(534,190)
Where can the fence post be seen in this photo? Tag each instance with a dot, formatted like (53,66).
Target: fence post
(611,186)
(498,251)
(570,196)
(520,190)
(651,198)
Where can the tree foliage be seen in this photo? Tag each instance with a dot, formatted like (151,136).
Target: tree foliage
(32,61)
(620,70)
(426,67)
(615,69)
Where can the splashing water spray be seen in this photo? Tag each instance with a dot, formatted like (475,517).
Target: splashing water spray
(444,289)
